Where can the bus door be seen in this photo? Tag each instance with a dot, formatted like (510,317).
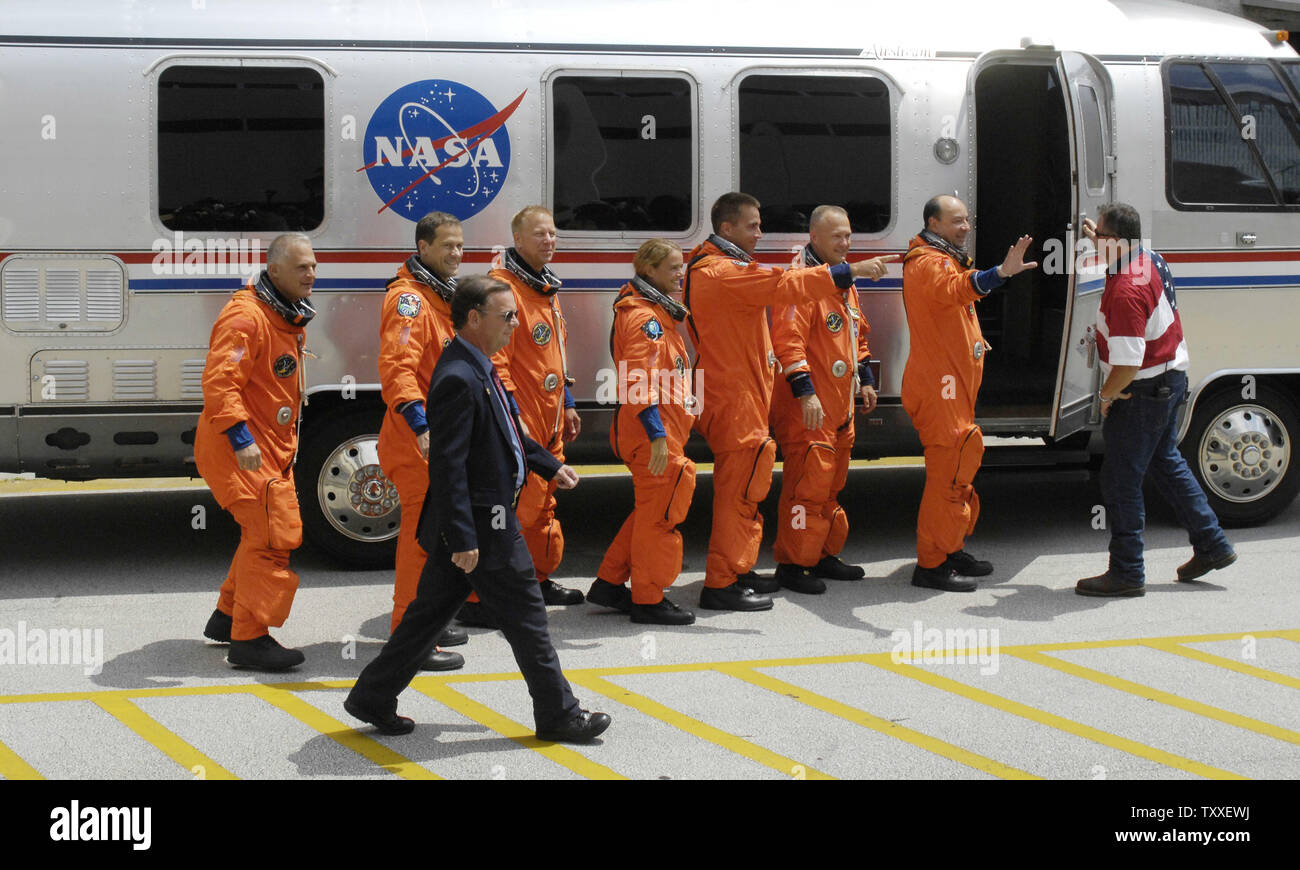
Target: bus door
(1089,115)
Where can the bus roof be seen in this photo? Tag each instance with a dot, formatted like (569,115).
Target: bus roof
(841,28)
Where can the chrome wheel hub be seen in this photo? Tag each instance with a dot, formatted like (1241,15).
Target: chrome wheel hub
(1244,453)
(360,502)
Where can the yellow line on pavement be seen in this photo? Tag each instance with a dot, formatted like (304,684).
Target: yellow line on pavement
(1224,662)
(1139,641)
(12,765)
(344,735)
(41,486)
(1167,698)
(876,723)
(162,739)
(728,741)
(1060,723)
(439,691)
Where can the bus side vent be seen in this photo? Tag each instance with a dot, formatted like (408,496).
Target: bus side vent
(192,379)
(104,295)
(62,293)
(22,296)
(135,380)
(71,380)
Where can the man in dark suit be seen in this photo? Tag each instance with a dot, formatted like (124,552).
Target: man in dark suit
(478,458)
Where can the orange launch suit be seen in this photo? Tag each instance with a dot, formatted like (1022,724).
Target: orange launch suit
(414,327)
(827,339)
(940,383)
(532,368)
(727,294)
(253,374)
(650,357)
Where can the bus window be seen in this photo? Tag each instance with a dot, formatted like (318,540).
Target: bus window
(806,140)
(241,148)
(1233,137)
(622,152)
(1263,99)
(1094,147)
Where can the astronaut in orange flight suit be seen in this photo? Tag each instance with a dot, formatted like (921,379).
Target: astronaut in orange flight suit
(940,383)
(649,433)
(727,293)
(415,325)
(245,444)
(534,371)
(822,349)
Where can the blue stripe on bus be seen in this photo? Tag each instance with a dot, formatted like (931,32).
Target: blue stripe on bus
(1237,281)
(612,284)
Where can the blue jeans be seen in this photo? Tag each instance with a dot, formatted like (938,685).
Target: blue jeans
(1141,437)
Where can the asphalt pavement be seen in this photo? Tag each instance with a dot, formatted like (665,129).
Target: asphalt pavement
(874,679)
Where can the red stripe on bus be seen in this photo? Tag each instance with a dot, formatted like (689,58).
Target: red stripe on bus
(396,256)
(1231,256)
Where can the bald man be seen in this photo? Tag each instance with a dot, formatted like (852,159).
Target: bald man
(941,382)
(822,349)
(244,447)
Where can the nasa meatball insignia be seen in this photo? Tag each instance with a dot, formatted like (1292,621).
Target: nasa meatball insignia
(285,365)
(652,329)
(408,305)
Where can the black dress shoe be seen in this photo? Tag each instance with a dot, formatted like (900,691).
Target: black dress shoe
(967,565)
(1197,566)
(799,579)
(832,568)
(556,595)
(608,595)
(663,613)
(218,627)
(582,728)
(453,636)
(439,660)
(943,578)
(759,583)
(734,597)
(263,654)
(1106,586)
(473,613)
(389,724)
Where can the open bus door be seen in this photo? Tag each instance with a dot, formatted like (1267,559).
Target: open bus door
(1088,99)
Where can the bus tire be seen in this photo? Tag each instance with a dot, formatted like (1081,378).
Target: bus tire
(350,510)
(1240,451)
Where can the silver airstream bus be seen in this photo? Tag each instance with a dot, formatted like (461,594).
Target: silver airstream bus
(151,150)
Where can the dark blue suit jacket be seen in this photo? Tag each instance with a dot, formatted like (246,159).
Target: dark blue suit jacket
(470,505)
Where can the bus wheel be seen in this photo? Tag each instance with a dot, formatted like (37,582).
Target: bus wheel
(349,508)
(1240,451)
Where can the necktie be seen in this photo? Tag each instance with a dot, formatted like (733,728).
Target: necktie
(505,406)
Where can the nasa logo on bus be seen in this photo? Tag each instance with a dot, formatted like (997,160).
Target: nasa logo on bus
(437,145)
(284,365)
(834,322)
(541,333)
